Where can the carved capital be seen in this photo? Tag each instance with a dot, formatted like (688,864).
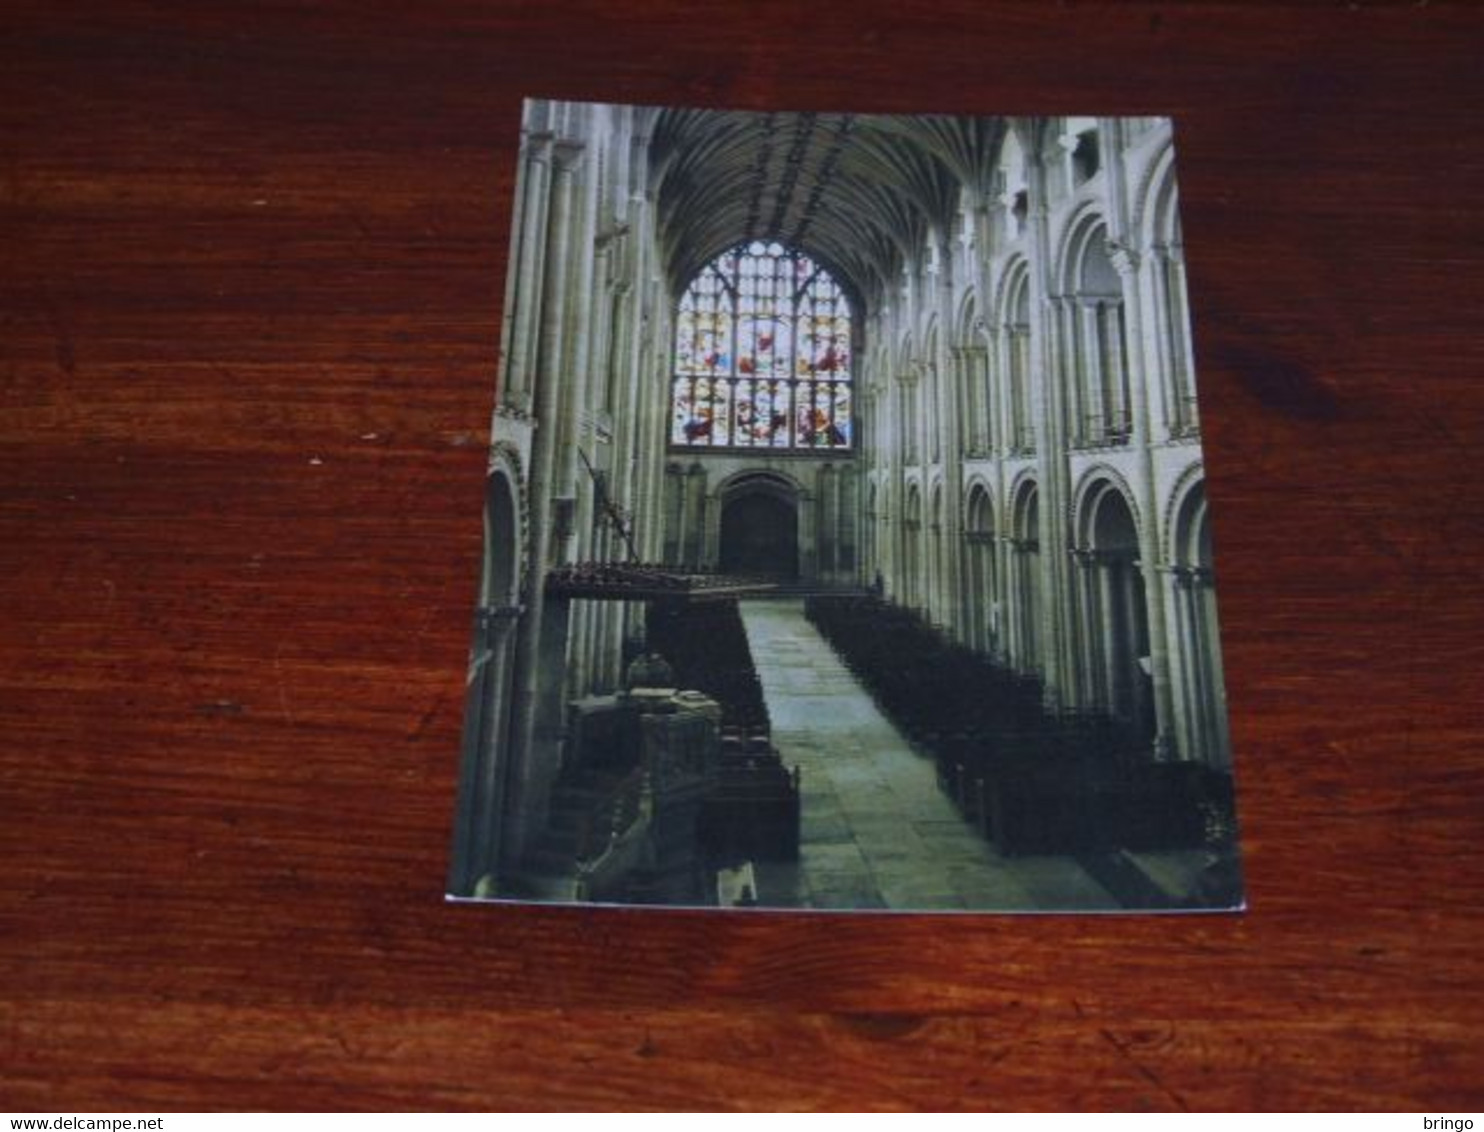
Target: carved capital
(1191,577)
(1125,259)
(567,153)
(536,146)
(517,408)
(495,618)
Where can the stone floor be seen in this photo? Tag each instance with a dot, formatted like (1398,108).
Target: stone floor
(877,832)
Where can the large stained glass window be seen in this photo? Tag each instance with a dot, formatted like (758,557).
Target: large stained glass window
(762,355)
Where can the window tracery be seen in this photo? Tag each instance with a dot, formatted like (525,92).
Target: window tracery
(762,355)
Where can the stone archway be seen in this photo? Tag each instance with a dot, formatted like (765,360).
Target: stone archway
(981,599)
(1025,579)
(502,545)
(489,699)
(1202,686)
(1115,609)
(760,529)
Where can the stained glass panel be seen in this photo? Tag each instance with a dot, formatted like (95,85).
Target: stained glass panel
(762,354)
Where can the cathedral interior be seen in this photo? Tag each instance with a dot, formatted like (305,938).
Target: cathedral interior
(846,538)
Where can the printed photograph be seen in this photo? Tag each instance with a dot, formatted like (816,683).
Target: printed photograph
(846,535)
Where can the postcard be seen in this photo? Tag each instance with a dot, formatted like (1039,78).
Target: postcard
(846,533)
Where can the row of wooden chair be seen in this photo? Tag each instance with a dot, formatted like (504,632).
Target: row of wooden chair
(706,645)
(753,812)
(1029,779)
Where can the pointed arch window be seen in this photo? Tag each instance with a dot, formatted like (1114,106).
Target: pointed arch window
(763,355)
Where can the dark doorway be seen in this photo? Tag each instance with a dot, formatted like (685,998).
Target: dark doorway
(760,535)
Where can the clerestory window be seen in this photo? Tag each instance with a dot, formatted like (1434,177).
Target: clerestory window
(762,355)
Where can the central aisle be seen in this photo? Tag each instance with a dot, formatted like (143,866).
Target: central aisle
(877,832)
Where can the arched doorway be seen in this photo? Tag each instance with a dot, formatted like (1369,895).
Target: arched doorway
(1116,614)
(760,531)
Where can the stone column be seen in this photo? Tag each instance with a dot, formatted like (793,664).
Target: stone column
(1127,263)
(523,286)
(1116,339)
(1091,410)
(696,536)
(1085,577)
(1020,342)
(900,424)
(1167,346)
(530,679)
(1182,354)
(808,536)
(1051,417)
(1109,652)
(827,518)
(577,404)
(1194,657)
(952,447)
(481,796)
(1194,590)
(1185,728)
(1221,753)
(711,556)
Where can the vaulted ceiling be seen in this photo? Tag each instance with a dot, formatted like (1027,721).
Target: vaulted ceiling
(857,193)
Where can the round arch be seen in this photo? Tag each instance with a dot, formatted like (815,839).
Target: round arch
(1025,507)
(1113,605)
(965,317)
(1013,316)
(1077,238)
(1087,499)
(979,506)
(981,577)
(504,534)
(1156,217)
(1013,277)
(489,696)
(760,525)
(1024,582)
(1190,536)
(1172,367)
(930,391)
(905,354)
(973,377)
(1201,695)
(1096,381)
(1188,492)
(777,483)
(912,510)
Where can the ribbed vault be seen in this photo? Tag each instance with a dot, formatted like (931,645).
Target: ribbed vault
(856,193)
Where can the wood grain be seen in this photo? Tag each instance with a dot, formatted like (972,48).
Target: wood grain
(250,275)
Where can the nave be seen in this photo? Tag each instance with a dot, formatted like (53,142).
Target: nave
(943,362)
(876,831)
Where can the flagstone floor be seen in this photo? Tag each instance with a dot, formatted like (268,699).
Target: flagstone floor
(877,832)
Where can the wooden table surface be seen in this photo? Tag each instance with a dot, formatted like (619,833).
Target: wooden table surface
(250,289)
